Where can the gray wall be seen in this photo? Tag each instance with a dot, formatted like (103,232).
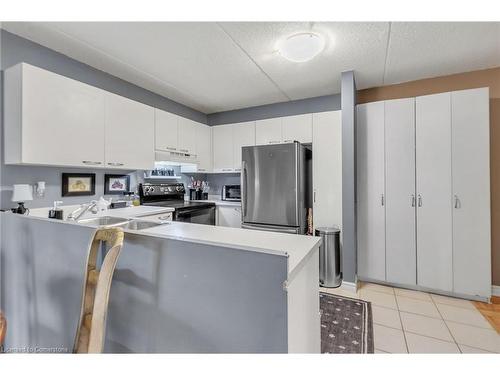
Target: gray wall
(349,236)
(295,107)
(15,49)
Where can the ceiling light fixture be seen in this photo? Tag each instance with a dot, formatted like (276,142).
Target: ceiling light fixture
(301,47)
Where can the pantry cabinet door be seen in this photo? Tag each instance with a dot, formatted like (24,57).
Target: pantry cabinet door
(166,131)
(187,136)
(434,192)
(297,128)
(243,135)
(222,144)
(268,131)
(371,191)
(400,206)
(62,119)
(471,190)
(327,169)
(129,134)
(204,147)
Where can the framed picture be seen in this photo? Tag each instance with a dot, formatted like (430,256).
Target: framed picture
(116,183)
(77,184)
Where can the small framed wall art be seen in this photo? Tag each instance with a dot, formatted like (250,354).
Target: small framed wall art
(116,184)
(78,184)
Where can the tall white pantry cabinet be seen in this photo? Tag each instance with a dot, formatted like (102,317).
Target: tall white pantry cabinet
(424,192)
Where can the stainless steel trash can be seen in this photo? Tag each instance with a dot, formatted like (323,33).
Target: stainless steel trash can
(330,266)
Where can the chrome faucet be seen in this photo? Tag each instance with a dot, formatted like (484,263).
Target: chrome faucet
(80,211)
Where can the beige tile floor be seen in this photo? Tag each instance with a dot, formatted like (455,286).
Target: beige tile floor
(407,321)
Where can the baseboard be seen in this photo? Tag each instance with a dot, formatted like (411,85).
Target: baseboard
(349,286)
(495,290)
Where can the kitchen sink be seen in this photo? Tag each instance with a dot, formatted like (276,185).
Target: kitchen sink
(104,221)
(140,224)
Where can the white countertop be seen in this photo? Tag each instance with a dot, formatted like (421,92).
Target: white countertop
(295,247)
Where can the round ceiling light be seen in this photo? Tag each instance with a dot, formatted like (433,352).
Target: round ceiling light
(301,47)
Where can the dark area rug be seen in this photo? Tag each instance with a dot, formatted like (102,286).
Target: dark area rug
(346,325)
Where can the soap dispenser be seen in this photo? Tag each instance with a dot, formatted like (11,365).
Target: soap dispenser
(56,212)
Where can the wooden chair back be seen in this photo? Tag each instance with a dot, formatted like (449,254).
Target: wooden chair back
(91,329)
(3,330)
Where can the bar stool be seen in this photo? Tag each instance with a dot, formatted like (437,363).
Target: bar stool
(97,284)
(3,330)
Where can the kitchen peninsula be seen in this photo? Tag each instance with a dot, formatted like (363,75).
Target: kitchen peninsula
(177,288)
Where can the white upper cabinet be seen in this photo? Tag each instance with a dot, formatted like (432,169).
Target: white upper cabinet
(166,131)
(243,135)
(204,147)
(268,131)
(187,136)
(129,134)
(51,119)
(223,150)
(297,128)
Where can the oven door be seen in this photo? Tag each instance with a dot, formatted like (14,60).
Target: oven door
(204,215)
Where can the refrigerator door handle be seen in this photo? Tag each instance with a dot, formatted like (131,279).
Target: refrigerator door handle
(243,189)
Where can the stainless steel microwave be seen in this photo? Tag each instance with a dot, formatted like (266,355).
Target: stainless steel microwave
(231,193)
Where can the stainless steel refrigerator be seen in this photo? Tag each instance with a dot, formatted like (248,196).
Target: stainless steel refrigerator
(275,187)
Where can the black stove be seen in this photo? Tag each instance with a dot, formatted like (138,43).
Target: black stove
(172,195)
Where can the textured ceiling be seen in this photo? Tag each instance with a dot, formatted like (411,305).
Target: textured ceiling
(215,67)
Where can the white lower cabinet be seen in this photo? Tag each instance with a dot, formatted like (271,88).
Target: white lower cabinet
(431,225)
(129,134)
(229,216)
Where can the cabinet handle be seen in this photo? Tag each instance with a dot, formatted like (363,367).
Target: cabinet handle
(171,148)
(382,201)
(227,169)
(457,202)
(314,197)
(89,162)
(413,200)
(183,150)
(419,200)
(167,217)
(272,142)
(288,140)
(116,164)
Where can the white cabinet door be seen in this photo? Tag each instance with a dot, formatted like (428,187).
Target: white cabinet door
(400,208)
(204,147)
(268,131)
(229,216)
(297,128)
(370,191)
(129,134)
(62,119)
(243,135)
(434,193)
(166,130)
(222,144)
(187,136)
(327,169)
(471,190)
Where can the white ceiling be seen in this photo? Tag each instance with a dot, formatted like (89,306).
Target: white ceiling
(215,67)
